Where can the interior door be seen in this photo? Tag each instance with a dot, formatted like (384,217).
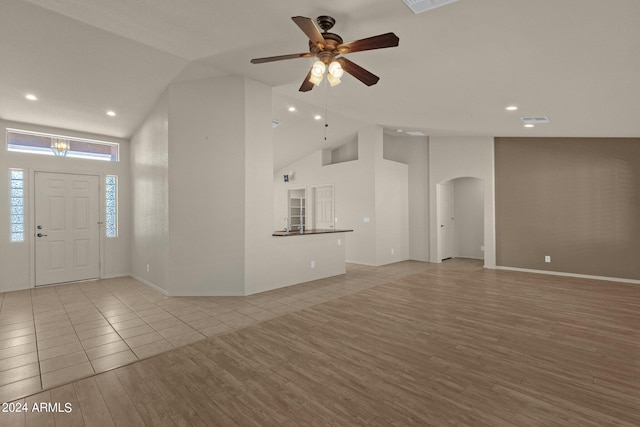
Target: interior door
(446,218)
(323,207)
(67,241)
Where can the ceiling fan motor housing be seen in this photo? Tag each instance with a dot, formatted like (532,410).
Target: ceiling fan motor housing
(329,51)
(325,22)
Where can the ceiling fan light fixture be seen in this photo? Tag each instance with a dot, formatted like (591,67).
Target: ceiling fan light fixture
(315,79)
(333,80)
(318,69)
(335,70)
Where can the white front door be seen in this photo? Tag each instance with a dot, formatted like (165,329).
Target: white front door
(447,220)
(67,240)
(323,207)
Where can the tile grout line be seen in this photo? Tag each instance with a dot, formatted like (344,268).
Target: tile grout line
(110,324)
(138,316)
(75,331)
(35,336)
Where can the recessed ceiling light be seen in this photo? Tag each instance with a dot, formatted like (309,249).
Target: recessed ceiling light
(317,117)
(31,97)
(111,113)
(292,109)
(529,125)
(511,108)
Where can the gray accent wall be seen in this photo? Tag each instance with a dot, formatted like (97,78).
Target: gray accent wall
(576,200)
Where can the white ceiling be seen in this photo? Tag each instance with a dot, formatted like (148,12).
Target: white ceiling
(456,69)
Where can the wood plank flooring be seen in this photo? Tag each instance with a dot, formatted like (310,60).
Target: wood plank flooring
(452,345)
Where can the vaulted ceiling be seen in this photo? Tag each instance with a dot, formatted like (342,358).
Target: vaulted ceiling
(455,71)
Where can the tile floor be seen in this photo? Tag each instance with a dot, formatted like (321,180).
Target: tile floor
(54,335)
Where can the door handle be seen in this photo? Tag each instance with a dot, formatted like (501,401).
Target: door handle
(41,235)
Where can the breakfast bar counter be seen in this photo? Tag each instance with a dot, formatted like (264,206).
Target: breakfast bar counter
(282,233)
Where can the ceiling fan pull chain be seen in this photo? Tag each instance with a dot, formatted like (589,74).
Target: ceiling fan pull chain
(326,110)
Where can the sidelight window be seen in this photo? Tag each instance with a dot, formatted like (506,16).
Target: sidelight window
(111,203)
(16,204)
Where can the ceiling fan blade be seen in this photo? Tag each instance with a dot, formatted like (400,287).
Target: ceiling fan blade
(376,42)
(358,72)
(280,57)
(306,84)
(311,30)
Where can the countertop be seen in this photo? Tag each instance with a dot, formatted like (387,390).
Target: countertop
(281,233)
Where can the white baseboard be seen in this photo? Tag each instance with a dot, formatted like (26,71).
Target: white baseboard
(149,284)
(205,294)
(116,275)
(185,294)
(360,263)
(580,276)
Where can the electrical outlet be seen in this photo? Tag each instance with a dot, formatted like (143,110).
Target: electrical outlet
(393,251)
(482,248)
(339,242)
(147,268)
(547,258)
(313,264)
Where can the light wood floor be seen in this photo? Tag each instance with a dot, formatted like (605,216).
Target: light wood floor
(451,345)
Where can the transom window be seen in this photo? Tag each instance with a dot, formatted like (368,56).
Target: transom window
(59,145)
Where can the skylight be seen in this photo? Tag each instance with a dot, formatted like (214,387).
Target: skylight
(419,6)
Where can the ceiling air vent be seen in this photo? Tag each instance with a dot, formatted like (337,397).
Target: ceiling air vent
(419,6)
(415,133)
(275,123)
(538,120)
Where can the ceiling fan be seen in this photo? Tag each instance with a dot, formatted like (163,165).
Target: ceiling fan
(327,47)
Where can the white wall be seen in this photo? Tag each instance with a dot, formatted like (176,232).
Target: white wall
(370,187)
(207,186)
(210,141)
(353,196)
(468,202)
(457,157)
(414,151)
(392,212)
(365,250)
(18,259)
(346,152)
(150,184)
